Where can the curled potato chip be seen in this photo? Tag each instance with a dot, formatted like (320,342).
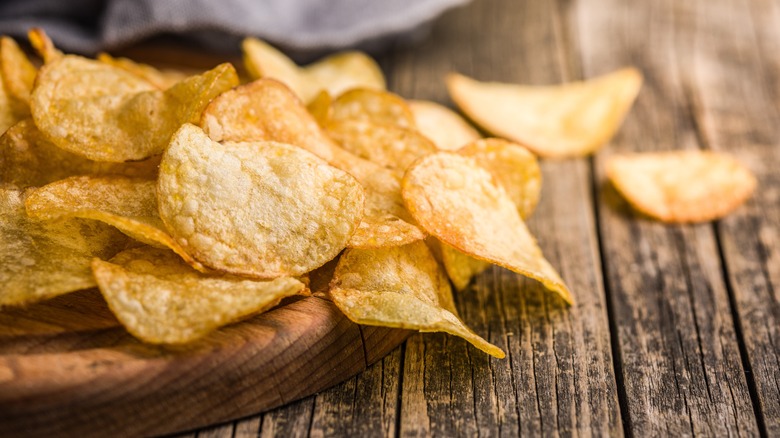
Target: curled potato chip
(27,158)
(400,287)
(262,209)
(162,79)
(390,146)
(267,110)
(106,113)
(448,130)
(458,202)
(681,186)
(161,300)
(513,166)
(18,75)
(334,74)
(43,45)
(43,259)
(567,120)
(129,204)
(375,105)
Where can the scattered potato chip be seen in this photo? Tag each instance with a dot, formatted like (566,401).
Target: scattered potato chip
(162,79)
(457,201)
(262,209)
(29,159)
(400,287)
(374,105)
(106,113)
(267,110)
(334,74)
(390,146)
(129,204)
(513,166)
(448,130)
(161,300)
(681,186)
(567,120)
(43,259)
(18,75)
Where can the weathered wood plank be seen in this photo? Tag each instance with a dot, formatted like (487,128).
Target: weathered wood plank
(558,376)
(735,73)
(679,353)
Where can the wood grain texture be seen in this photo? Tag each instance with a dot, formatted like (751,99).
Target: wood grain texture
(558,377)
(88,377)
(679,353)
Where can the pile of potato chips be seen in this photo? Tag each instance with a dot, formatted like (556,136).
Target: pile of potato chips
(194,201)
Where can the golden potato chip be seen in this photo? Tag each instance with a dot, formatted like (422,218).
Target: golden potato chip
(106,113)
(267,110)
(375,105)
(457,201)
(681,186)
(43,259)
(390,146)
(319,107)
(461,267)
(567,120)
(29,159)
(161,300)
(7,116)
(513,166)
(129,204)
(18,75)
(262,209)
(444,127)
(400,287)
(162,79)
(334,74)
(43,45)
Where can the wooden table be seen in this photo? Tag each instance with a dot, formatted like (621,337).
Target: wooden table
(676,330)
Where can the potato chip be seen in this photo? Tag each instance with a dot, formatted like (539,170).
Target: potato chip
(400,287)
(106,113)
(262,209)
(375,105)
(461,267)
(29,159)
(390,146)
(458,202)
(43,45)
(681,186)
(319,107)
(267,110)
(513,166)
(18,75)
(567,120)
(334,74)
(162,79)
(43,259)
(161,300)
(129,204)
(7,116)
(444,127)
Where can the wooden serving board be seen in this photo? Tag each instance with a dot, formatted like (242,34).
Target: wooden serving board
(68,368)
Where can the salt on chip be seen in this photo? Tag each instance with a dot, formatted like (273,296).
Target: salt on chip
(266,109)
(129,204)
(334,74)
(568,120)
(262,209)
(44,259)
(461,204)
(390,146)
(161,300)
(444,127)
(681,186)
(106,113)
(401,287)
(375,105)
(162,79)
(18,75)
(27,158)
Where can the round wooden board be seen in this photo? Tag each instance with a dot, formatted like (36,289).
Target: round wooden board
(68,368)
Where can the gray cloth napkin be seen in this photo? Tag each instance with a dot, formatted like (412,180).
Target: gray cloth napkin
(300,26)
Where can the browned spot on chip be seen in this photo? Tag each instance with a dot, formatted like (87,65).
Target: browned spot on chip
(402,287)
(681,186)
(567,120)
(162,300)
(457,201)
(447,129)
